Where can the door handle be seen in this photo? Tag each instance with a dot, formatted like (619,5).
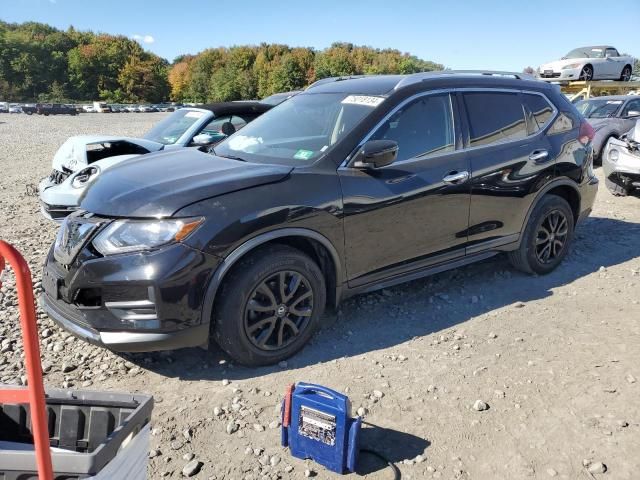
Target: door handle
(538,156)
(454,178)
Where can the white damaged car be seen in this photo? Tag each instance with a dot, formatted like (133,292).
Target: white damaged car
(621,163)
(82,158)
(589,63)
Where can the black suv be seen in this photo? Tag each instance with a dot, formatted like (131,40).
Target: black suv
(353,185)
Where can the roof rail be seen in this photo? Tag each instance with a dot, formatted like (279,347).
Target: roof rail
(322,81)
(418,77)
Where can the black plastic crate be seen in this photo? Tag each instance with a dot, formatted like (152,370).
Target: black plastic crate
(87,431)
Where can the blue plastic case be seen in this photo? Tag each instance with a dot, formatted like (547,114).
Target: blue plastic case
(319,427)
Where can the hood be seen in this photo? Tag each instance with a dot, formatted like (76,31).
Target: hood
(160,184)
(558,64)
(72,154)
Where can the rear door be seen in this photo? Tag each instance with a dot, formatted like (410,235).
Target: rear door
(414,212)
(509,156)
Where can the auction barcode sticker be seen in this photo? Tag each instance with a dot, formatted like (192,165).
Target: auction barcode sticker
(366,100)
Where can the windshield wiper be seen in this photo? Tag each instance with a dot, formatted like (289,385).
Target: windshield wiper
(230,157)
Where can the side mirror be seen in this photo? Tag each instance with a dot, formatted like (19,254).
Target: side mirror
(203,139)
(633,113)
(376,154)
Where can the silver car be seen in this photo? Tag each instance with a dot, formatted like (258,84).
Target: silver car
(621,162)
(610,117)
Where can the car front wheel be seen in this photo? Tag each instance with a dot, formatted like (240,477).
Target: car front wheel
(546,238)
(269,306)
(586,74)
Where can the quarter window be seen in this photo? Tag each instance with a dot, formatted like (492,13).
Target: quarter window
(539,108)
(421,128)
(494,117)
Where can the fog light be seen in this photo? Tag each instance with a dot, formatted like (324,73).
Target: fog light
(614,155)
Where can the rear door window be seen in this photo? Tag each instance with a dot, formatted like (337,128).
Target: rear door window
(422,128)
(494,117)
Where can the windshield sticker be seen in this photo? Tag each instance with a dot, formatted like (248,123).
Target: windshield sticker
(366,100)
(303,155)
(614,102)
(194,114)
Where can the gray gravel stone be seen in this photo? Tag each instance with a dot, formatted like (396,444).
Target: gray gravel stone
(192,468)
(480,406)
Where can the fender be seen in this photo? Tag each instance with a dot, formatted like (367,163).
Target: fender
(254,242)
(559,182)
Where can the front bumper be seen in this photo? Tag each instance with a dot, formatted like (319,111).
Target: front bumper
(563,75)
(57,201)
(627,164)
(135,302)
(124,341)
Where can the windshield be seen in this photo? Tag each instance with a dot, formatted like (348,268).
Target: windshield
(169,130)
(297,132)
(598,108)
(588,52)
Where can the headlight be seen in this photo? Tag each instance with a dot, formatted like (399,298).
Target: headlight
(614,155)
(84,176)
(130,235)
(571,65)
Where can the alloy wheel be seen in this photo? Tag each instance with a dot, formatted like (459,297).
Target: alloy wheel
(586,74)
(626,74)
(279,310)
(551,237)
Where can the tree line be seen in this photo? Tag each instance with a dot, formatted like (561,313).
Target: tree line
(221,74)
(42,63)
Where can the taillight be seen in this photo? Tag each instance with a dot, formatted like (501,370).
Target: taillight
(586,132)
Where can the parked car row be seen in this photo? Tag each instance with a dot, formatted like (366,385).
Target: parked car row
(74,109)
(349,186)
(101,107)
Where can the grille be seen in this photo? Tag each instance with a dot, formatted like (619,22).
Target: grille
(74,233)
(549,75)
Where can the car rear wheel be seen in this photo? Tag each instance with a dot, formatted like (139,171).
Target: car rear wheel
(586,73)
(625,76)
(269,306)
(546,238)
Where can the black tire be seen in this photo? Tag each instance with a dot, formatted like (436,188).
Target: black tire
(239,329)
(530,256)
(616,189)
(586,73)
(625,76)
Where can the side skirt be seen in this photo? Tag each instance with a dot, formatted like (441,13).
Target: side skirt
(416,274)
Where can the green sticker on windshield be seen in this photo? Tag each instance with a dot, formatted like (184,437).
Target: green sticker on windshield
(303,154)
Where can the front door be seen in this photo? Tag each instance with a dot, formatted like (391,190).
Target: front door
(414,212)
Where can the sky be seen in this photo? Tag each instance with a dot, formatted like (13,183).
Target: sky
(471,34)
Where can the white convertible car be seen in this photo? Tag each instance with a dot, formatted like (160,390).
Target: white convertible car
(589,63)
(80,159)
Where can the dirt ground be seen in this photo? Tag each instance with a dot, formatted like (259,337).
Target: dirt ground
(556,358)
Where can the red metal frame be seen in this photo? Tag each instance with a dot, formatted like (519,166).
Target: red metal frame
(33,394)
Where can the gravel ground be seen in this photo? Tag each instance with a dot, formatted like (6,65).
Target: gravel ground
(480,373)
